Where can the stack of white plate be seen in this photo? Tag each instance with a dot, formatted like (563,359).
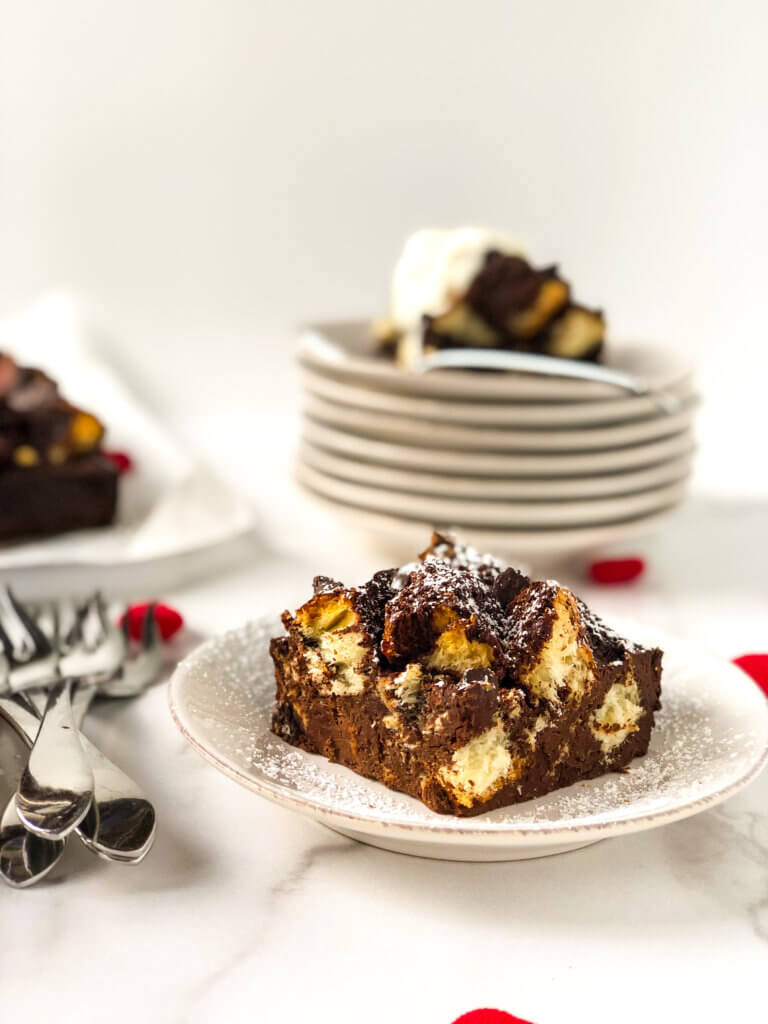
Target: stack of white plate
(523,463)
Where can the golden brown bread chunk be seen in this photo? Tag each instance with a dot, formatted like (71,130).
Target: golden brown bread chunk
(576,334)
(550,298)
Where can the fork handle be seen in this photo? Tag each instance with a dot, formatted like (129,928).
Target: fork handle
(24,722)
(56,788)
(82,698)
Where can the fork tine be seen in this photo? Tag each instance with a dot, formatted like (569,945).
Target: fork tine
(7,645)
(46,615)
(56,623)
(39,640)
(96,625)
(149,632)
(125,625)
(75,631)
(101,612)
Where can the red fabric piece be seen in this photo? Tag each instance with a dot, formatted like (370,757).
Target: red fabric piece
(616,570)
(756,666)
(169,621)
(122,460)
(489,1016)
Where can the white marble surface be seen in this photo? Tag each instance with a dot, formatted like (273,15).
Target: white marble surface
(245,912)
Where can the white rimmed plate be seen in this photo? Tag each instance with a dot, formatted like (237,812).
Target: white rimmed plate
(400,536)
(405,429)
(346,351)
(169,505)
(529,464)
(445,512)
(494,488)
(711,739)
(487,413)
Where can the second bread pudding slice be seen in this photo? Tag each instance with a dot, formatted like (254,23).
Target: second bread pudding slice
(461,682)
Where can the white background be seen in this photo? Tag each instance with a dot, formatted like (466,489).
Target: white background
(209,175)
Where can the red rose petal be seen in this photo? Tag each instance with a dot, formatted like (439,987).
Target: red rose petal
(756,666)
(616,570)
(489,1016)
(122,460)
(169,621)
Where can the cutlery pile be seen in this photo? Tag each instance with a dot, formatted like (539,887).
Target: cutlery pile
(54,659)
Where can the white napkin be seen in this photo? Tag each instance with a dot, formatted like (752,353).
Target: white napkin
(169,504)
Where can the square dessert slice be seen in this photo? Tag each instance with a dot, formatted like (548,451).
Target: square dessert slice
(53,477)
(473,288)
(462,683)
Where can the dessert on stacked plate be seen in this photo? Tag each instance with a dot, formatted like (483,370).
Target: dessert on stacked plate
(490,402)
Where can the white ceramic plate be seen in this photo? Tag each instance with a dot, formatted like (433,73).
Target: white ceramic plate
(385,427)
(400,536)
(487,413)
(445,512)
(710,740)
(529,464)
(345,351)
(170,504)
(494,488)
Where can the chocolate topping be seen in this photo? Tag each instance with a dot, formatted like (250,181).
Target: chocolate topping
(372,602)
(325,585)
(506,286)
(37,425)
(448,549)
(606,644)
(436,587)
(508,584)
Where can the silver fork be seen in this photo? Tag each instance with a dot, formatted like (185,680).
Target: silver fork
(551,366)
(136,674)
(56,787)
(120,824)
(27,657)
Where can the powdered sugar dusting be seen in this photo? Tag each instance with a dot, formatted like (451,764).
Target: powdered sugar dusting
(710,734)
(449,550)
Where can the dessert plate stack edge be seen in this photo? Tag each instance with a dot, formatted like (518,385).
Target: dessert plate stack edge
(531,463)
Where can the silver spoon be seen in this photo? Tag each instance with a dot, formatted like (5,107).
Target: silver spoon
(24,857)
(56,788)
(121,821)
(120,824)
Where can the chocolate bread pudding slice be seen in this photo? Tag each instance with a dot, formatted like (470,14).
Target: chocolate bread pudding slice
(475,288)
(53,476)
(463,683)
